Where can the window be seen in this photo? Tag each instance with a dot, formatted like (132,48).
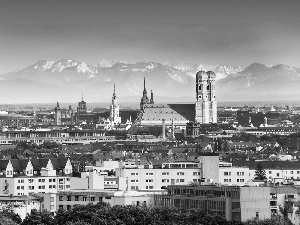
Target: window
(30,187)
(18,187)
(76,198)
(41,180)
(61,198)
(180,173)
(68,207)
(134,187)
(227,173)
(240,180)
(277,174)
(149,187)
(149,180)
(134,174)
(227,180)
(100,199)
(30,180)
(53,180)
(68,198)
(196,173)
(51,199)
(165,180)
(92,199)
(84,198)
(149,174)
(134,181)
(165,173)
(292,172)
(270,172)
(298,172)
(240,173)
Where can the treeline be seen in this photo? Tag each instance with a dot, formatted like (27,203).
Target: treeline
(104,214)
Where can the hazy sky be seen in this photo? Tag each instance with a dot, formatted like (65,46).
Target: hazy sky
(233,32)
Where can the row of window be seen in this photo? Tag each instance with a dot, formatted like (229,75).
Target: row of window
(167,174)
(237,173)
(237,180)
(84,198)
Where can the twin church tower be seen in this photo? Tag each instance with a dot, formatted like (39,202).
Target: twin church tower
(206,104)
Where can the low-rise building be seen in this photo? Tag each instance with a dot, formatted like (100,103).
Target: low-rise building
(234,203)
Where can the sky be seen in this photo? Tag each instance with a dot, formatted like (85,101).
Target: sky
(234,32)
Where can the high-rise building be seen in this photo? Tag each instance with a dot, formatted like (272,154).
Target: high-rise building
(206,104)
(115,109)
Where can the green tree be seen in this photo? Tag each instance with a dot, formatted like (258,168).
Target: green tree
(260,173)
(38,218)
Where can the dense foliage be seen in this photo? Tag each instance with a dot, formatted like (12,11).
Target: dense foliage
(103,213)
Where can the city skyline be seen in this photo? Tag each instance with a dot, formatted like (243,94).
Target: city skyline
(207,32)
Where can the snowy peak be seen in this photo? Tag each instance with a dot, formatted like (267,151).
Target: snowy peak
(106,63)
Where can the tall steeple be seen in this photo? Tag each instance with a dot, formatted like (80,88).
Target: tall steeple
(114,94)
(144,99)
(114,109)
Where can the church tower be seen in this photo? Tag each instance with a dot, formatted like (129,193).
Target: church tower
(115,109)
(144,99)
(57,118)
(82,105)
(206,104)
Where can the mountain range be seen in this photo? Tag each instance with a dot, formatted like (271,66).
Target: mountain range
(66,79)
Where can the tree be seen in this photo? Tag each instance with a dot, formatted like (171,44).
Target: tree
(38,218)
(260,173)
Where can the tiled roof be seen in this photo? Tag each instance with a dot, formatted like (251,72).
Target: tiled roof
(177,112)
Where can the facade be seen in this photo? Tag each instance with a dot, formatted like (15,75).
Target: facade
(25,177)
(234,203)
(68,199)
(20,205)
(229,175)
(16,120)
(180,173)
(61,135)
(206,104)
(114,109)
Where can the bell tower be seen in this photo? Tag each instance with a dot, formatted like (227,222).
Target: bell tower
(206,104)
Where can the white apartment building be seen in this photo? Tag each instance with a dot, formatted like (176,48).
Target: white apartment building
(21,177)
(229,175)
(171,173)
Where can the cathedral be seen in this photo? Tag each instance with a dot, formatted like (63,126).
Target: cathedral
(203,111)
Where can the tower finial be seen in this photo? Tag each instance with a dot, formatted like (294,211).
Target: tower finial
(144,84)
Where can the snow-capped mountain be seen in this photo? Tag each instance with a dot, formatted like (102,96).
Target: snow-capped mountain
(261,82)
(220,70)
(66,79)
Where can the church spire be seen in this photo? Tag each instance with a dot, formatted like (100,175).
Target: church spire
(114,94)
(144,84)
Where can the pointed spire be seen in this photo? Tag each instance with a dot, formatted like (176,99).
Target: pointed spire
(144,84)
(57,105)
(82,96)
(114,94)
